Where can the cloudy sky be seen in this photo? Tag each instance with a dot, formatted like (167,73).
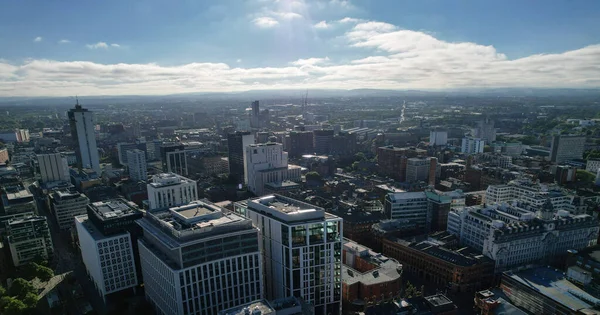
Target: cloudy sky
(62,48)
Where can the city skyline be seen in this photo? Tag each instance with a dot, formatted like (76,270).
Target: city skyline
(152,49)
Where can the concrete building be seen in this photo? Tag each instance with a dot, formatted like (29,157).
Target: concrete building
(521,234)
(17,135)
(168,190)
(417,169)
(322,140)
(438,137)
(83,131)
(136,165)
(367,274)
(411,206)
(267,163)
(237,143)
(53,167)
(485,130)
(438,207)
(66,205)
(4,158)
(592,165)
(287,306)
(301,142)
(28,238)
(107,245)
(123,147)
(302,250)
(564,148)
(199,259)
(472,145)
(392,160)
(255,115)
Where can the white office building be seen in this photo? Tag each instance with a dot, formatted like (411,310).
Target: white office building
(53,167)
(83,130)
(136,165)
(122,148)
(564,148)
(411,206)
(302,250)
(28,238)
(199,259)
(169,189)
(472,145)
(438,137)
(592,165)
(532,193)
(417,169)
(106,245)
(267,163)
(66,205)
(520,234)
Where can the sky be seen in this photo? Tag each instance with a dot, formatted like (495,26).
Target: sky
(156,47)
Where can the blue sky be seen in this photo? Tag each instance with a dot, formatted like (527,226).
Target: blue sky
(160,47)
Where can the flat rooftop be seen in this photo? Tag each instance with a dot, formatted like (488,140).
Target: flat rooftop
(168,179)
(113,209)
(92,230)
(552,284)
(287,209)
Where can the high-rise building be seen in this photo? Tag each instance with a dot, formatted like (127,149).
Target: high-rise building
(237,143)
(485,130)
(169,190)
(199,259)
(53,167)
(136,164)
(566,148)
(153,149)
(267,163)
(123,147)
(472,145)
(411,206)
(438,137)
(322,140)
(67,204)
(83,131)
(107,244)
(255,115)
(165,149)
(520,234)
(301,142)
(28,239)
(302,250)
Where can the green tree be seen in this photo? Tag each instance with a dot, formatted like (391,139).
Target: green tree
(2,291)
(585,176)
(359,156)
(11,306)
(30,300)
(44,273)
(20,287)
(29,271)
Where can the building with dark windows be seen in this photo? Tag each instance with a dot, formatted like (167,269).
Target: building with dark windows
(302,250)
(236,143)
(301,142)
(322,140)
(392,160)
(199,259)
(83,131)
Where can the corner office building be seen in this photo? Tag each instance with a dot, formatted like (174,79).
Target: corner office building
(302,250)
(107,245)
(198,259)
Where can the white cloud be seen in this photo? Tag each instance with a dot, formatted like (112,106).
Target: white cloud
(265,22)
(97,45)
(37,39)
(310,61)
(321,25)
(115,45)
(287,15)
(238,60)
(390,58)
(64,41)
(349,20)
